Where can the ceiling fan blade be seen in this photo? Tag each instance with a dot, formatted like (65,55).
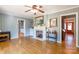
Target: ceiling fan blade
(28,10)
(40,10)
(40,6)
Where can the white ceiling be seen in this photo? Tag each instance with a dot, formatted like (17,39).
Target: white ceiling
(19,10)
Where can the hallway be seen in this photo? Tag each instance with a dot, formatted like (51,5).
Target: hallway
(69,42)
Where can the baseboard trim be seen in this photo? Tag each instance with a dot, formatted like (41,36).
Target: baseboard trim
(58,42)
(77,46)
(14,37)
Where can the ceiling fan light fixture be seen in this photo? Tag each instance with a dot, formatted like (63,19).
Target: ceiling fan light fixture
(38,7)
(34,11)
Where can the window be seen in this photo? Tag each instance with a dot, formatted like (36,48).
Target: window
(69,26)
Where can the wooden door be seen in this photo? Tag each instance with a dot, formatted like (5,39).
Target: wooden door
(67,26)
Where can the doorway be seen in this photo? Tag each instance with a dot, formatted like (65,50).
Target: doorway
(69,30)
(21,28)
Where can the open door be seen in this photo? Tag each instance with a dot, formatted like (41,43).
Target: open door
(21,28)
(68,30)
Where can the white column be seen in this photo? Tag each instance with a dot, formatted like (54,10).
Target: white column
(34,33)
(44,34)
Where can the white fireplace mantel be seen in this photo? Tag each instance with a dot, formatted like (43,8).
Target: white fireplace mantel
(40,28)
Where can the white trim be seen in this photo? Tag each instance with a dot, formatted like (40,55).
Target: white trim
(24,26)
(58,42)
(76,13)
(76,29)
(77,46)
(62,10)
(60,29)
(14,37)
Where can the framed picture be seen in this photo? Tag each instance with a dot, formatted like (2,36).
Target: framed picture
(53,22)
(39,20)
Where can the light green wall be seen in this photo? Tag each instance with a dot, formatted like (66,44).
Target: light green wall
(0,22)
(57,15)
(9,23)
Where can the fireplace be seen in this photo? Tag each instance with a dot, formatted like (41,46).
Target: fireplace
(39,34)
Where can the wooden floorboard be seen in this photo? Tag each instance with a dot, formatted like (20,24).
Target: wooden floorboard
(33,46)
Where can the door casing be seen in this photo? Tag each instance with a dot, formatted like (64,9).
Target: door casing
(76,24)
(24,31)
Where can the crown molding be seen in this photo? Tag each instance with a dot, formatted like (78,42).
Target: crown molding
(61,10)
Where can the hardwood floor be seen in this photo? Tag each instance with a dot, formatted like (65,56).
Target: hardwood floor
(31,46)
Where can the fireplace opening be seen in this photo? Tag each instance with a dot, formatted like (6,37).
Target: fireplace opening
(39,34)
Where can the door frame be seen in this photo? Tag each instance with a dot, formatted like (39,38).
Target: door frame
(76,24)
(24,26)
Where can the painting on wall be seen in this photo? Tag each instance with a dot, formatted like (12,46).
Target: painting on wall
(53,22)
(39,21)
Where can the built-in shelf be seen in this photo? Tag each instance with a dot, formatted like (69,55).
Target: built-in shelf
(4,36)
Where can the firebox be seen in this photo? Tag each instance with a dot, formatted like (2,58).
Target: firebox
(39,34)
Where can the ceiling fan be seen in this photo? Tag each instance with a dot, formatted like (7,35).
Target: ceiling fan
(35,9)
